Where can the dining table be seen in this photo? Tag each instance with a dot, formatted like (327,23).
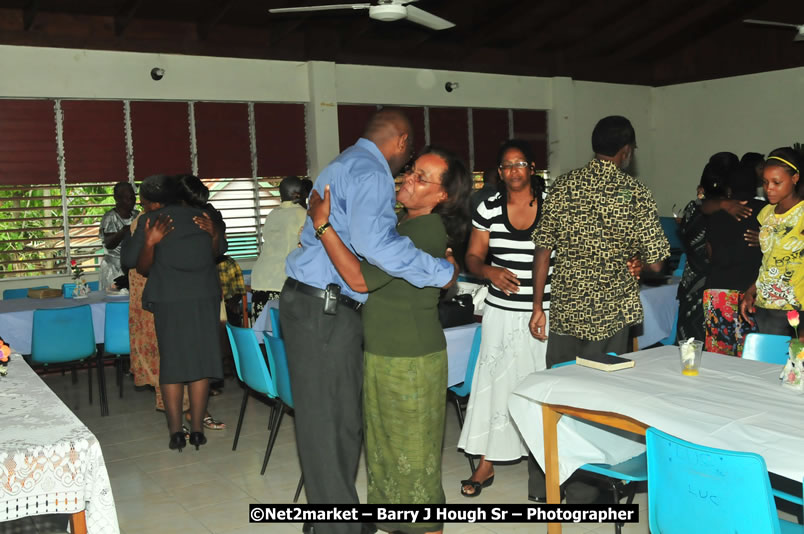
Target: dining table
(16,316)
(573,415)
(50,462)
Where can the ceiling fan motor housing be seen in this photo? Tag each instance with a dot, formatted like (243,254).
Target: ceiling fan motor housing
(388,12)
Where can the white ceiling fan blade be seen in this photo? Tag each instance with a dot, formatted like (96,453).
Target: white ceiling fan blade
(318,8)
(771,23)
(419,16)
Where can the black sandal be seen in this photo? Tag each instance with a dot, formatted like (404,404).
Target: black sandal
(477,487)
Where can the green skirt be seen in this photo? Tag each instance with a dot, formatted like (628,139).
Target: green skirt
(404,411)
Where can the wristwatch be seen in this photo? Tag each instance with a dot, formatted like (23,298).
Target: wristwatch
(321,229)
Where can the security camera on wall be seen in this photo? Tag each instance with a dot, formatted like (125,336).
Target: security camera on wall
(157,74)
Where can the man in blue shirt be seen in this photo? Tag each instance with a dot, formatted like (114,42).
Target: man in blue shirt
(322,329)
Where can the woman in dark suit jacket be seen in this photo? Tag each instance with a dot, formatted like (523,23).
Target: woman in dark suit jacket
(177,255)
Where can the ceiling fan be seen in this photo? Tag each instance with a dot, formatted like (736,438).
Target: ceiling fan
(800,27)
(384,10)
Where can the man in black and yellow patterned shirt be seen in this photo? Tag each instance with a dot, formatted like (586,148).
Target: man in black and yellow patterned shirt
(595,218)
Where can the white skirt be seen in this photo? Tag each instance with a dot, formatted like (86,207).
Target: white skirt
(508,354)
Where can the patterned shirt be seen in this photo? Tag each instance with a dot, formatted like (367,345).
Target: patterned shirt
(595,219)
(780,285)
(231,278)
(510,249)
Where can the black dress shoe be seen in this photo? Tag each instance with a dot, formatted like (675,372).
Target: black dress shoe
(177,441)
(197,439)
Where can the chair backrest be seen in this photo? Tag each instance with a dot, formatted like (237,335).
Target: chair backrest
(465,388)
(62,335)
(94,285)
(19,293)
(682,261)
(116,339)
(692,488)
(278,360)
(251,366)
(766,348)
(276,328)
(671,231)
(671,337)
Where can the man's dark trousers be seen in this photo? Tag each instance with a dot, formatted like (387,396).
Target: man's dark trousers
(325,359)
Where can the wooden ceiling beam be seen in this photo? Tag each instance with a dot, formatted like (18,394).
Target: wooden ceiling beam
(570,16)
(125,15)
(612,31)
(209,22)
(671,29)
(29,14)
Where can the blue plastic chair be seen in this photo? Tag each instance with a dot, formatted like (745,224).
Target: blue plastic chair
(768,348)
(116,339)
(278,361)
(19,293)
(693,488)
(94,285)
(276,328)
(618,476)
(66,335)
(671,337)
(682,261)
(458,394)
(252,370)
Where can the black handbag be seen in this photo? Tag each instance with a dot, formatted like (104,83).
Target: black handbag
(457,311)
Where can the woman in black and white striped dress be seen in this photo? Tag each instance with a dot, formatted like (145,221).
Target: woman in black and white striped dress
(503,225)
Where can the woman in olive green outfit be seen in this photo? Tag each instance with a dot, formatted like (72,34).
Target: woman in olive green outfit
(405,373)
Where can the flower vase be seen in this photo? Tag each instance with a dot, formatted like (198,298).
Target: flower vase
(81,290)
(793,372)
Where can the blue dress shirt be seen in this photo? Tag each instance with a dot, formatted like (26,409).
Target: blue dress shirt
(362,200)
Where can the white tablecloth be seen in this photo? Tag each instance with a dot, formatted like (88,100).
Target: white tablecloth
(733,404)
(50,463)
(16,316)
(459,342)
(660,307)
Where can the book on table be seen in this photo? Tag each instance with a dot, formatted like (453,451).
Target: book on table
(604,362)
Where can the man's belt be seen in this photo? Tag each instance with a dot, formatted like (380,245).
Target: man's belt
(301,287)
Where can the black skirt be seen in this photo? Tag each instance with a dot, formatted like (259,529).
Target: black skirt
(188,334)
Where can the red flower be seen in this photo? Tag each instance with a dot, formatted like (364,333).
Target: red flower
(72,262)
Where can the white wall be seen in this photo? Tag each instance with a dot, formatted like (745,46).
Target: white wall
(33,72)
(754,113)
(579,105)
(574,107)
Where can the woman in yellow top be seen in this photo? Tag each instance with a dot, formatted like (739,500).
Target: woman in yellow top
(780,283)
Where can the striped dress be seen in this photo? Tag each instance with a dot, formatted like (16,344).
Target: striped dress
(508,352)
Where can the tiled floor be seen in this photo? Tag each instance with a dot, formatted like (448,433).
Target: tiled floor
(157,490)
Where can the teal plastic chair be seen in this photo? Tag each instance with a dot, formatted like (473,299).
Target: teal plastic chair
(459,393)
(276,328)
(252,370)
(94,285)
(19,293)
(682,261)
(278,362)
(116,339)
(768,348)
(66,335)
(693,488)
(671,337)
(619,476)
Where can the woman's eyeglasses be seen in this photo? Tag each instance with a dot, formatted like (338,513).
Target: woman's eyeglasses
(418,176)
(514,166)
